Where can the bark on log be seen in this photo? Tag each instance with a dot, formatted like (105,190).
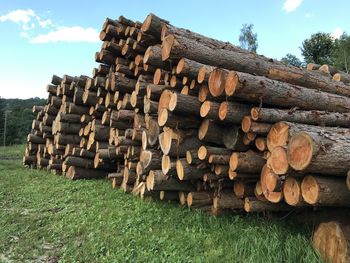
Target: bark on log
(175,47)
(255,205)
(246,162)
(313,117)
(325,191)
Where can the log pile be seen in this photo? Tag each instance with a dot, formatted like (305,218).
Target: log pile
(175,115)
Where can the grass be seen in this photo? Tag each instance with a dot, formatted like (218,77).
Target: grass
(44,218)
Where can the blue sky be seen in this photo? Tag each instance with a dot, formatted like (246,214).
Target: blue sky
(41,38)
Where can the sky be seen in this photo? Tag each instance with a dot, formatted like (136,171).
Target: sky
(40,38)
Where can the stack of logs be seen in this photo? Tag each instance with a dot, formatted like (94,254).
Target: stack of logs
(174,115)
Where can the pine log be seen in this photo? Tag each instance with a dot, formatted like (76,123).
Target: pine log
(157,181)
(325,191)
(320,150)
(332,241)
(249,126)
(343,77)
(188,172)
(233,112)
(292,191)
(227,200)
(199,199)
(175,47)
(204,152)
(246,162)
(321,118)
(243,189)
(184,104)
(255,205)
(75,173)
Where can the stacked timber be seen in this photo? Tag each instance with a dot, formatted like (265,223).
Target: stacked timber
(174,115)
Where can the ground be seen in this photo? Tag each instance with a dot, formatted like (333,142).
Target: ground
(47,218)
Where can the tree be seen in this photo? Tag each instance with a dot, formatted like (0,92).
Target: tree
(341,53)
(292,60)
(318,49)
(247,39)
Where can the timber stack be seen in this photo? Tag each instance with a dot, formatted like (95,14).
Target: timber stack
(174,115)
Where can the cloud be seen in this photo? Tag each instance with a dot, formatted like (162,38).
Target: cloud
(24,34)
(68,34)
(291,5)
(44,23)
(337,33)
(18,16)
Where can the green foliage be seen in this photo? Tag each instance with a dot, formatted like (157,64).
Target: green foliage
(19,118)
(45,218)
(318,49)
(247,39)
(341,53)
(292,60)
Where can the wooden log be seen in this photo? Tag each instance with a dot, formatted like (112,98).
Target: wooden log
(227,200)
(199,199)
(165,118)
(175,47)
(292,191)
(211,132)
(243,189)
(204,152)
(188,172)
(255,205)
(246,162)
(278,160)
(233,112)
(157,181)
(319,150)
(249,126)
(270,185)
(75,173)
(184,104)
(256,89)
(332,241)
(325,191)
(343,77)
(35,139)
(321,118)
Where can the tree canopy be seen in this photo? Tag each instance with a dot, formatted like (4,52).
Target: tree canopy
(292,60)
(248,39)
(318,48)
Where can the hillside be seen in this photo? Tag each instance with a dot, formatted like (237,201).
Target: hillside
(19,118)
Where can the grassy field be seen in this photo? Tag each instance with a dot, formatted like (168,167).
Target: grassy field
(47,218)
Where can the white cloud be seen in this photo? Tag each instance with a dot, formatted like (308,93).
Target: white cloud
(28,26)
(18,16)
(291,5)
(68,34)
(45,23)
(337,33)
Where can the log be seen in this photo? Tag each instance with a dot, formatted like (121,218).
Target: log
(278,160)
(243,189)
(325,191)
(255,205)
(332,241)
(260,89)
(292,192)
(204,152)
(75,173)
(227,200)
(199,199)
(184,104)
(313,117)
(343,77)
(157,181)
(320,150)
(249,126)
(246,162)
(233,112)
(165,118)
(175,47)
(186,171)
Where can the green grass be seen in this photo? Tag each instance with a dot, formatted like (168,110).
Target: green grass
(44,217)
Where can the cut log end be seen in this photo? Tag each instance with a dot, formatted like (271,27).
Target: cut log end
(246,123)
(310,189)
(278,135)
(203,129)
(202,152)
(201,74)
(331,241)
(223,109)
(292,191)
(180,66)
(180,170)
(233,163)
(217,82)
(254,113)
(231,83)
(300,151)
(162,117)
(205,109)
(278,160)
(167,45)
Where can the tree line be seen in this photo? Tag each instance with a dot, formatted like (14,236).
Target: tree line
(16,118)
(320,48)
